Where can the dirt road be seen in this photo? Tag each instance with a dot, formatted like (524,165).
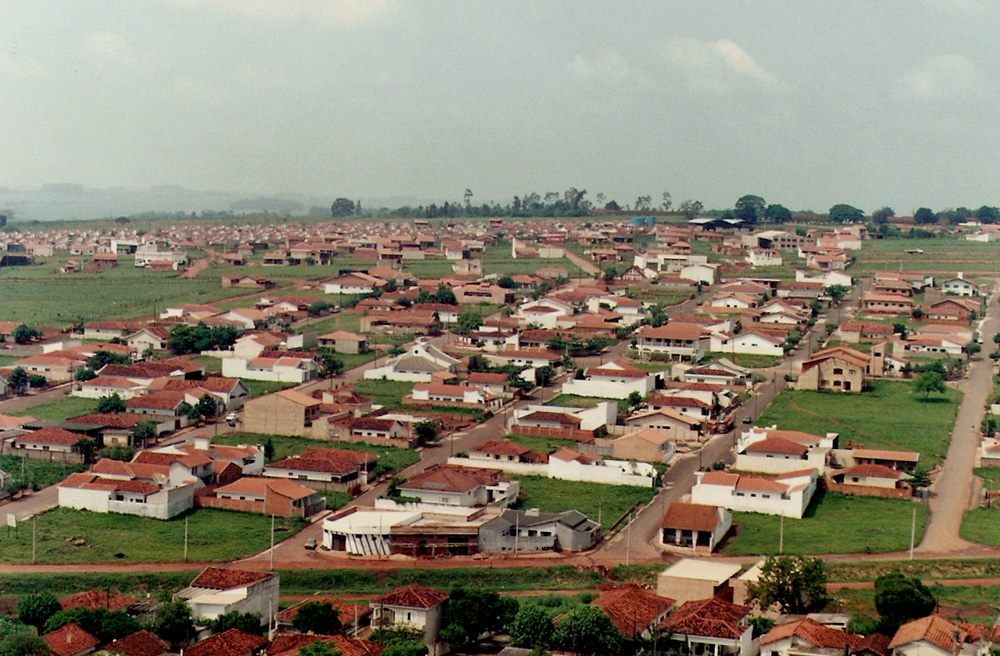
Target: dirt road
(952,494)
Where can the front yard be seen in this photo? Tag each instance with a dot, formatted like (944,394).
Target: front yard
(213,535)
(834,523)
(890,416)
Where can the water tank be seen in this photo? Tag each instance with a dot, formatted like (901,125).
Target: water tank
(651,221)
(638,221)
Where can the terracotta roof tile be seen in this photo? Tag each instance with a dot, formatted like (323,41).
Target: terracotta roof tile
(691,517)
(233,642)
(140,643)
(632,610)
(413,596)
(69,640)
(216,578)
(709,618)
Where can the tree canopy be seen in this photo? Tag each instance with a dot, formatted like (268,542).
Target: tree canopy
(899,599)
(173,622)
(249,622)
(925,216)
(928,382)
(795,583)
(317,617)
(36,609)
(587,630)
(842,213)
(532,627)
(471,613)
(777,214)
(750,209)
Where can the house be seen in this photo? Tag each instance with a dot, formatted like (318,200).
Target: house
(934,636)
(533,358)
(775,451)
(52,444)
(864,331)
(706,274)
(231,393)
(807,637)
(57,368)
(341,470)
(755,342)
(505,451)
(462,396)
(163,407)
(353,617)
(570,465)
(148,338)
(483,292)
(287,412)
(355,282)
(787,494)
(689,405)
(645,444)
(697,578)
(613,380)
(377,429)
(275,366)
(839,368)
(418,364)
(404,322)
(267,496)
(70,640)
(953,309)
(886,304)
(231,642)
(111,329)
(694,526)
(901,460)
(676,425)
(635,612)
(710,626)
(959,287)
(720,372)
(872,480)
(528,531)
(466,487)
(411,606)
(679,341)
(343,341)
(91,491)
(289,644)
(217,591)
(555,421)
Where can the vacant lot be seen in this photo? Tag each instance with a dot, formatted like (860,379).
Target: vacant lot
(260,388)
(890,416)
(834,523)
(287,445)
(604,503)
(574,401)
(213,535)
(70,406)
(542,444)
(389,393)
(37,473)
(748,359)
(945,256)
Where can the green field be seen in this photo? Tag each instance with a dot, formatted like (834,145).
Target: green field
(213,535)
(286,445)
(941,256)
(983,524)
(748,360)
(260,388)
(574,401)
(890,416)
(340,321)
(120,293)
(833,523)
(543,444)
(604,503)
(69,406)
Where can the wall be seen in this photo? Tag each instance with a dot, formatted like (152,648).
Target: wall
(239,368)
(602,388)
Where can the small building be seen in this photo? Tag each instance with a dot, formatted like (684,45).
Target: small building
(694,526)
(412,606)
(267,496)
(343,341)
(217,591)
(710,625)
(696,578)
(527,531)
(70,640)
(787,494)
(635,612)
(614,380)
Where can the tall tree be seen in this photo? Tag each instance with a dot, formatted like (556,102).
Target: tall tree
(750,209)
(899,599)
(318,617)
(842,213)
(691,208)
(532,627)
(925,216)
(882,215)
(173,622)
(777,214)
(36,609)
(794,583)
(929,381)
(668,201)
(587,630)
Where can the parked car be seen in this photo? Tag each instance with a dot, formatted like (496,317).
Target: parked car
(310,543)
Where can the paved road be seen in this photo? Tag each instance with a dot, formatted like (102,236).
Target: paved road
(954,491)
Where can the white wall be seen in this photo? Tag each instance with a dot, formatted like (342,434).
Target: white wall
(608,388)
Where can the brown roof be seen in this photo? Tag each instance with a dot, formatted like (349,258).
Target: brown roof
(709,618)
(232,642)
(51,435)
(453,478)
(97,599)
(673,330)
(631,609)
(216,578)
(140,643)
(70,639)
(109,420)
(413,596)
(691,517)
(558,417)
(330,465)
(817,634)
(263,486)
(290,644)
(872,471)
(881,454)
(933,629)
(777,445)
(504,447)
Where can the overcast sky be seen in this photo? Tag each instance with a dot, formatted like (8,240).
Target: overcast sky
(804,103)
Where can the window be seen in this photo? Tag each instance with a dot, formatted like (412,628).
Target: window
(838,371)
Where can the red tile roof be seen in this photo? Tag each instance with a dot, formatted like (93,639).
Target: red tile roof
(632,610)
(140,643)
(933,629)
(50,435)
(412,596)
(709,618)
(216,578)
(777,445)
(97,599)
(290,644)
(817,634)
(453,478)
(691,517)
(70,640)
(233,642)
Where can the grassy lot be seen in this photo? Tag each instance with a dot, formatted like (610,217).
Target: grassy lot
(70,406)
(261,387)
(7,360)
(542,444)
(941,256)
(890,416)
(37,472)
(212,365)
(389,393)
(214,535)
(654,367)
(334,322)
(286,445)
(747,359)
(425,269)
(604,502)
(574,401)
(335,500)
(660,295)
(352,360)
(834,523)
(60,301)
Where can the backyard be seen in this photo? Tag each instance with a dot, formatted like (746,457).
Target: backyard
(286,445)
(890,416)
(833,523)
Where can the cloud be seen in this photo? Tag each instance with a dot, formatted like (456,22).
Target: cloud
(716,65)
(948,77)
(111,45)
(11,65)
(336,14)
(606,65)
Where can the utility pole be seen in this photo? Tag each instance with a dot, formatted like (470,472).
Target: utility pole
(628,540)
(781,536)
(272,543)
(913,532)
(34,536)
(185,539)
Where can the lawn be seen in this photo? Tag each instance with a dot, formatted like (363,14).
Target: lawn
(543,444)
(389,393)
(749,360)
(890,416)
(37,472)
(834,523)
(654,367)
(661,295)
(69,406)
(212,365)
(335,500)
(7,360)
(213,535)
(940,256)
(574,401)
(286,445)
(333,323)
(424,269)
(604,503)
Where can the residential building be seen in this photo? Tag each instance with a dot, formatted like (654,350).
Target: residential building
(356,282)
(412,606)
(614,380)
(267,496)
(217,591)
(463,396)
(287,412)
(231,642)
(776,451)
(679,341)
(694,526)
(697,578)
(840,369)
(787,494)
(635,612)
(418,364)
(935,636)
(528,531)
(343,341)
(452,485)
(807,637)
(341,470)
(677,426)
(51,444)
(70,640)
(275,366)
(710,626)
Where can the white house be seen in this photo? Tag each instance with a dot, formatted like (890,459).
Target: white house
(279,367)
(218,591)
(453,488)
(356,282)
(415,607)
(779,451)
(614,380)
(601,414)
(545,313)
(90,491)
(418,364)
(788,494)
(750,342)
(707,274)
(570,465)
(959,287)
(721,372)
(828,278)
(681,341)
(461,395)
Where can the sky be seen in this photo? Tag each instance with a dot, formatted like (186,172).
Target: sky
(807,104)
